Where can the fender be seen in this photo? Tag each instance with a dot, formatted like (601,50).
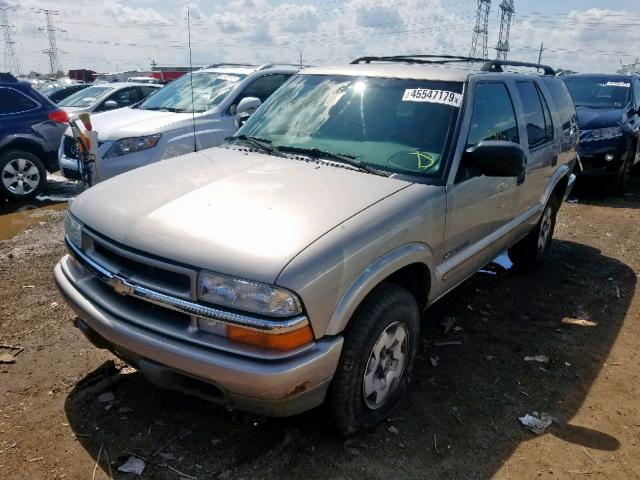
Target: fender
(372,275)
(562,172)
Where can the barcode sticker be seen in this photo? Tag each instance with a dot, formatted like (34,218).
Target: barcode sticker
(432,96)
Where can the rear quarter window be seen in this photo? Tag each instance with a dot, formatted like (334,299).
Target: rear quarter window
(564,104)
(13,101)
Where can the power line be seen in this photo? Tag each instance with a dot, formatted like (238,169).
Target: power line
(52,30)
(481,30)
(11,59)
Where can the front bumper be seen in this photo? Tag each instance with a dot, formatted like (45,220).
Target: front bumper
(267,387)
(593,156)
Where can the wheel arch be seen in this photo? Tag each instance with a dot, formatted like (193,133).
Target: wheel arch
(24,144)
(407,266)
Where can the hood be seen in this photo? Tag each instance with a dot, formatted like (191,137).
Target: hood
(590,118)
(73,110)
(133,122)
(229,211)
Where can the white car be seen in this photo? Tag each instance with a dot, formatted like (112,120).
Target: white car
(107,96)
(177,120)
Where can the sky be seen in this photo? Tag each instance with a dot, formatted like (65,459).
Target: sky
(117,35)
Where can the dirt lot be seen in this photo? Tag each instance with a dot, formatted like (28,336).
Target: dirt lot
(461,418)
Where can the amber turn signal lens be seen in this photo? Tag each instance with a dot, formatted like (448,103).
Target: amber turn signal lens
(272,341)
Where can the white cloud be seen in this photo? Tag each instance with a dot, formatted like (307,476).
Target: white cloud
(128,34)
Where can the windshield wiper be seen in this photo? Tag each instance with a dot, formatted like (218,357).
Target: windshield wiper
(343,158)
(165,109)
(259,143)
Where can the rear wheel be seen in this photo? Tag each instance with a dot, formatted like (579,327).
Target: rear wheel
(530,252)
(22,174)
(378,354)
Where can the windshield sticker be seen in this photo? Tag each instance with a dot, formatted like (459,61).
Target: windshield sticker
(432,96)
(615,84)
(228,78)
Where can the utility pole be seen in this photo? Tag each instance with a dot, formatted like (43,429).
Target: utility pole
(507,11)
(11,59)
(52,31)
(481,30)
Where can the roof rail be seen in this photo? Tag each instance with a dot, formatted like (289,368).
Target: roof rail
(488,65)
(422,59)
(7,77)
(218,65)
(496,66)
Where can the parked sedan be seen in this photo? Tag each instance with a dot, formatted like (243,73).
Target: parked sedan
(107,96)
(58,93)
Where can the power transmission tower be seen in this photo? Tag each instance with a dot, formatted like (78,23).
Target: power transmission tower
(10,57)
(53,50)
(506,16)
(481,30)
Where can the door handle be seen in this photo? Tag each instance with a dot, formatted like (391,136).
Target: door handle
(554,162)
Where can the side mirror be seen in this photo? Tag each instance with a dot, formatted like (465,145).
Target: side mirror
(245,109)
(110,105)
(498,159)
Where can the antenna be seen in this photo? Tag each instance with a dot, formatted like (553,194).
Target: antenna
(193,103)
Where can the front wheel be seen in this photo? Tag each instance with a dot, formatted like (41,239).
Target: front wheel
(22,175)
(378,354)
(622,177)
(530,252)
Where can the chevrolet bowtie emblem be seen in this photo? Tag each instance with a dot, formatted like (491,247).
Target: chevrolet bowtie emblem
(121,286)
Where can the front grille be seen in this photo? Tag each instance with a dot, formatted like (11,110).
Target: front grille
(143,271)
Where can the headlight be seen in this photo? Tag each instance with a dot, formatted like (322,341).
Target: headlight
(73,230)
(132,145)
(248,296)
(601,134)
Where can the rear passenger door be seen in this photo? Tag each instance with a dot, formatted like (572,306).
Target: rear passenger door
(541,147)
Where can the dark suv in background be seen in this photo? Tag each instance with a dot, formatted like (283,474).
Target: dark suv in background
(30,130)
(608,109)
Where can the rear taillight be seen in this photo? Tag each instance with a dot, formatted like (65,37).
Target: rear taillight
(59,116)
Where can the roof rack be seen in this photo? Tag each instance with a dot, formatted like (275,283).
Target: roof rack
(218,65)
(7,77)
(496,66)
(488,65)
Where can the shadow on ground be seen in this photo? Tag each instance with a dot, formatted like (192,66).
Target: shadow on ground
(460,419)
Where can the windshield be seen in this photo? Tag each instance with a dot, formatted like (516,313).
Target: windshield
(396,125)
(85,97)
(209,89)
(599,92)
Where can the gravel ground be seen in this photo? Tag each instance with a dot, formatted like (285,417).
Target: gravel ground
(68,410)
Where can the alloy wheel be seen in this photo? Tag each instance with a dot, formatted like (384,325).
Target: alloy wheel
(20,176)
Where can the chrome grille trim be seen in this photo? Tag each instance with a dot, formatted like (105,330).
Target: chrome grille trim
(122,286)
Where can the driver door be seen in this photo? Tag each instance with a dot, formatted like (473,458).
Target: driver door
(477,204)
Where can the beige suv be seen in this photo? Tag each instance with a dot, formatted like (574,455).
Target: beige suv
(291,266)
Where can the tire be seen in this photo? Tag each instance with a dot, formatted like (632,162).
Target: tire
(622,177)
(388,313)
(22,175)
(530,252)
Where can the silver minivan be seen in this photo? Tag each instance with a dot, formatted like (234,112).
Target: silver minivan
(176,119)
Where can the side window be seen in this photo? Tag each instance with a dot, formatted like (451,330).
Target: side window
(535,116)
(146,91)
(493,118)
(12,101)
(564,104)
(636,92)
(261,88)
(125,97)
(493,115)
